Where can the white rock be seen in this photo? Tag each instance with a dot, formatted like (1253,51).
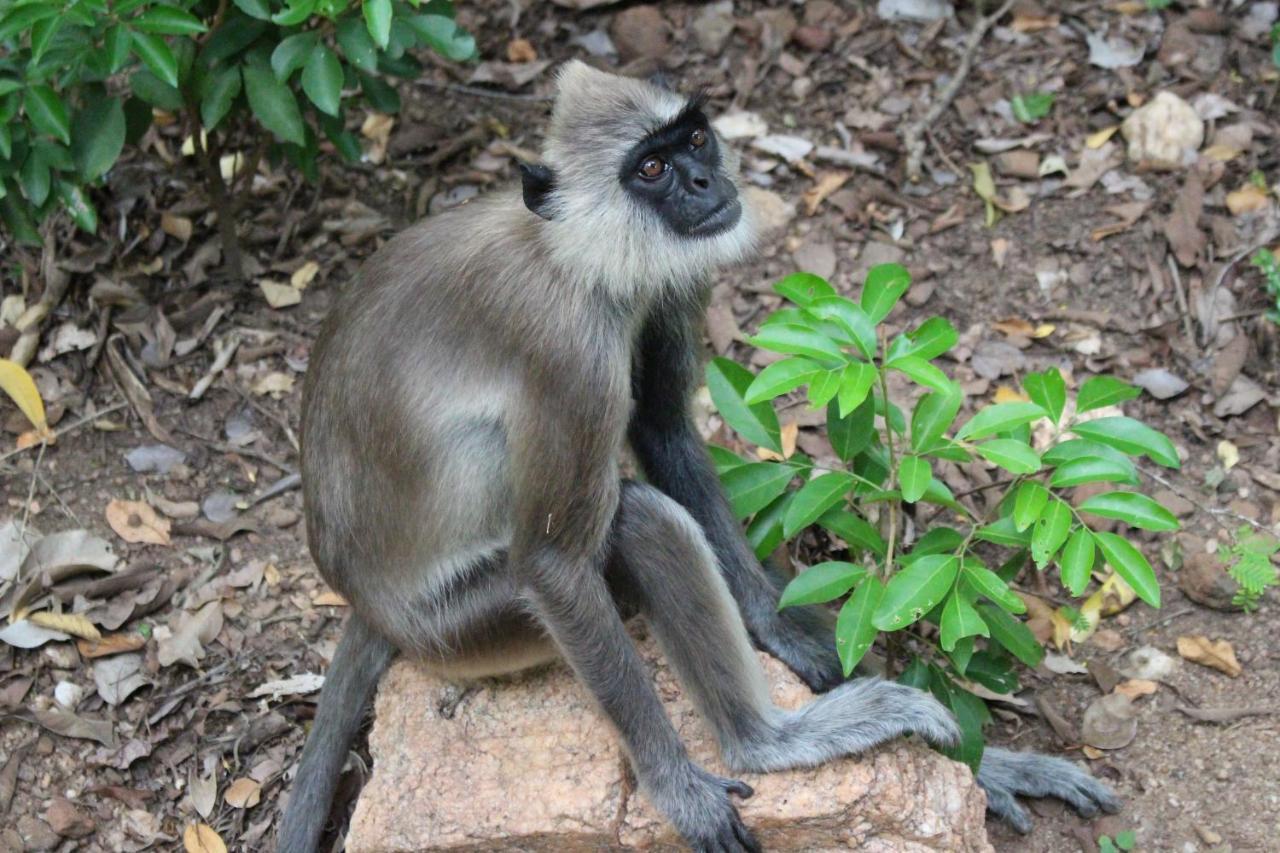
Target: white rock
(789,148)
(1165,132)
(740,125)
(914,10)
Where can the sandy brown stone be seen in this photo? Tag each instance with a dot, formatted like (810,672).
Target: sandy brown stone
(528,764)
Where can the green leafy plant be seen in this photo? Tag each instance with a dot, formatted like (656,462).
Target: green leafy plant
(1275,45)
(1158,5)
(1265,261)
(1249,562)
(81,78)
(1126,840)
(1030,107)
(944,594)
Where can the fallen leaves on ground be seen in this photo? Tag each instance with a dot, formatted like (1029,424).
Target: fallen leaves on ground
(1217,654)
(137,522)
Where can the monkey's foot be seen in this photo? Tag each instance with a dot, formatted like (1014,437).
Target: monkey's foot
(701,809)
(1005,775)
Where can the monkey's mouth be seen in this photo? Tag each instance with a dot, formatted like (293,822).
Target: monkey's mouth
(719,220)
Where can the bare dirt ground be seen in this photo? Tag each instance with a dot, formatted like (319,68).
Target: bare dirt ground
(215,602)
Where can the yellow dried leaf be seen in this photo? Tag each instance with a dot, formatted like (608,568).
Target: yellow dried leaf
(276,383)
(826,184)
(21,388)
(304,275)
(1005,394)
(1099,138)
(179,227)
(1217,654)
(789,433)
(244,793)
(230,165)
(1248,199)
(329,598)
(202,838)
(985,186)
(1092,752)
(1228,454)
(74,624)
(1027,21)
(1114,595)
(1221,153)
(1044,330)
(1014,327)
(280,295)
(136,521)
(521,50)
(1136,687)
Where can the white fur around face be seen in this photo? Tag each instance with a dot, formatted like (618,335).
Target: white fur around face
(598,233)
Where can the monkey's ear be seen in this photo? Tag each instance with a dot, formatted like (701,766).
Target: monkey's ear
(537,181)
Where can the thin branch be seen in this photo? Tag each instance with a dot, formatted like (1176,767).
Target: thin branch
(913,138)
(1217,512)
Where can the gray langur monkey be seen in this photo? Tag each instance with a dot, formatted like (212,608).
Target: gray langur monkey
(464,411)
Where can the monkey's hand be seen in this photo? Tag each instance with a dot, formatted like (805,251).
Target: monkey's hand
(1004,775)
(700,808)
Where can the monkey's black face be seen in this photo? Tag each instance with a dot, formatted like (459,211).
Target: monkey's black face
(677,171)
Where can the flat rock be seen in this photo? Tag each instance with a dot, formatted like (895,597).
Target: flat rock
(528,764)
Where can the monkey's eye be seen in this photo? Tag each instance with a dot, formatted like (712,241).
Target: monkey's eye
(698,138)
(652,168)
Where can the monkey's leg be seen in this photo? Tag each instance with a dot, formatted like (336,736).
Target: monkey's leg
(359,662)
(662,562)
(1005,774)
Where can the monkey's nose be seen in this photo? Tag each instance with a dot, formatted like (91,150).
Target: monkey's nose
(702,183)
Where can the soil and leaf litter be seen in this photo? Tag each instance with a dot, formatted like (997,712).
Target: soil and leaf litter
(170,632)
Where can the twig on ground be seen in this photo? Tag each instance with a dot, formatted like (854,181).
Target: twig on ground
(1156,623)
(480,92)
(101,413)
(1181,293)
(1215,511)
(1266,238)
(913,138)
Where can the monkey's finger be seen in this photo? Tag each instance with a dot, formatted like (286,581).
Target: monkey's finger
(1003,805)
(742,789)
(747,838)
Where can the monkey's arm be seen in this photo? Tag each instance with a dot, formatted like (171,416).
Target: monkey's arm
(675,460)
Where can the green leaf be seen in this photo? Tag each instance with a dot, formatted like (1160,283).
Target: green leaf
(1016,457)
(98,138)
(764,533)
(292,53)
(814,498)
(1047,390)
(728,382)
(850,436)
(34,177)
(998,418)
(992,671)
(154,91)
(849,316)
(781,377)
(1077,472)
(78,205)
(356,45)
(959,619)
(884,287)
(157,56)
(254,9)
(6,150)
(1012,635)
(1133,509)
(803,287)
(933,414)
(377,17)
(752,487)
(1050,532)
(295,14)
(855,628)
(853,530)
(1076,562)
(441,34)
(1129,564)
(923,373)
(971,714)
(1028,503)
(47,112)
(221,93)
(988,583)
(168,20)
(797,340)
(915,590)
(42,35)
(934,337)
(22,18)
(322,80)
(724,459)
(821,583)
(274,105)
(914,475)
(116,45)
(1003,532)
(1099,391)
(1078,448)
(824,387)
(855,385)
(1032,106)
(1131,437)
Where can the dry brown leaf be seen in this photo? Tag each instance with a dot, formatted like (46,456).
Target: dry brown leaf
(1248,199)
(1217,654)
(1182,228)
(1099,138)
(1136,687)
(1221,153)
(276,383)
(999,251)
(244,793)
(1032,20)
(175,226)
(202,838)
(1014,327)
(827,183)
(1005,394)
(1127,214)
(329,598)
(137,522)
(789,433)
(68,623)
(111,644)
(521,50)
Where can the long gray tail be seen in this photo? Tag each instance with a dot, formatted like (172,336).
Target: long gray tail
(359,662)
